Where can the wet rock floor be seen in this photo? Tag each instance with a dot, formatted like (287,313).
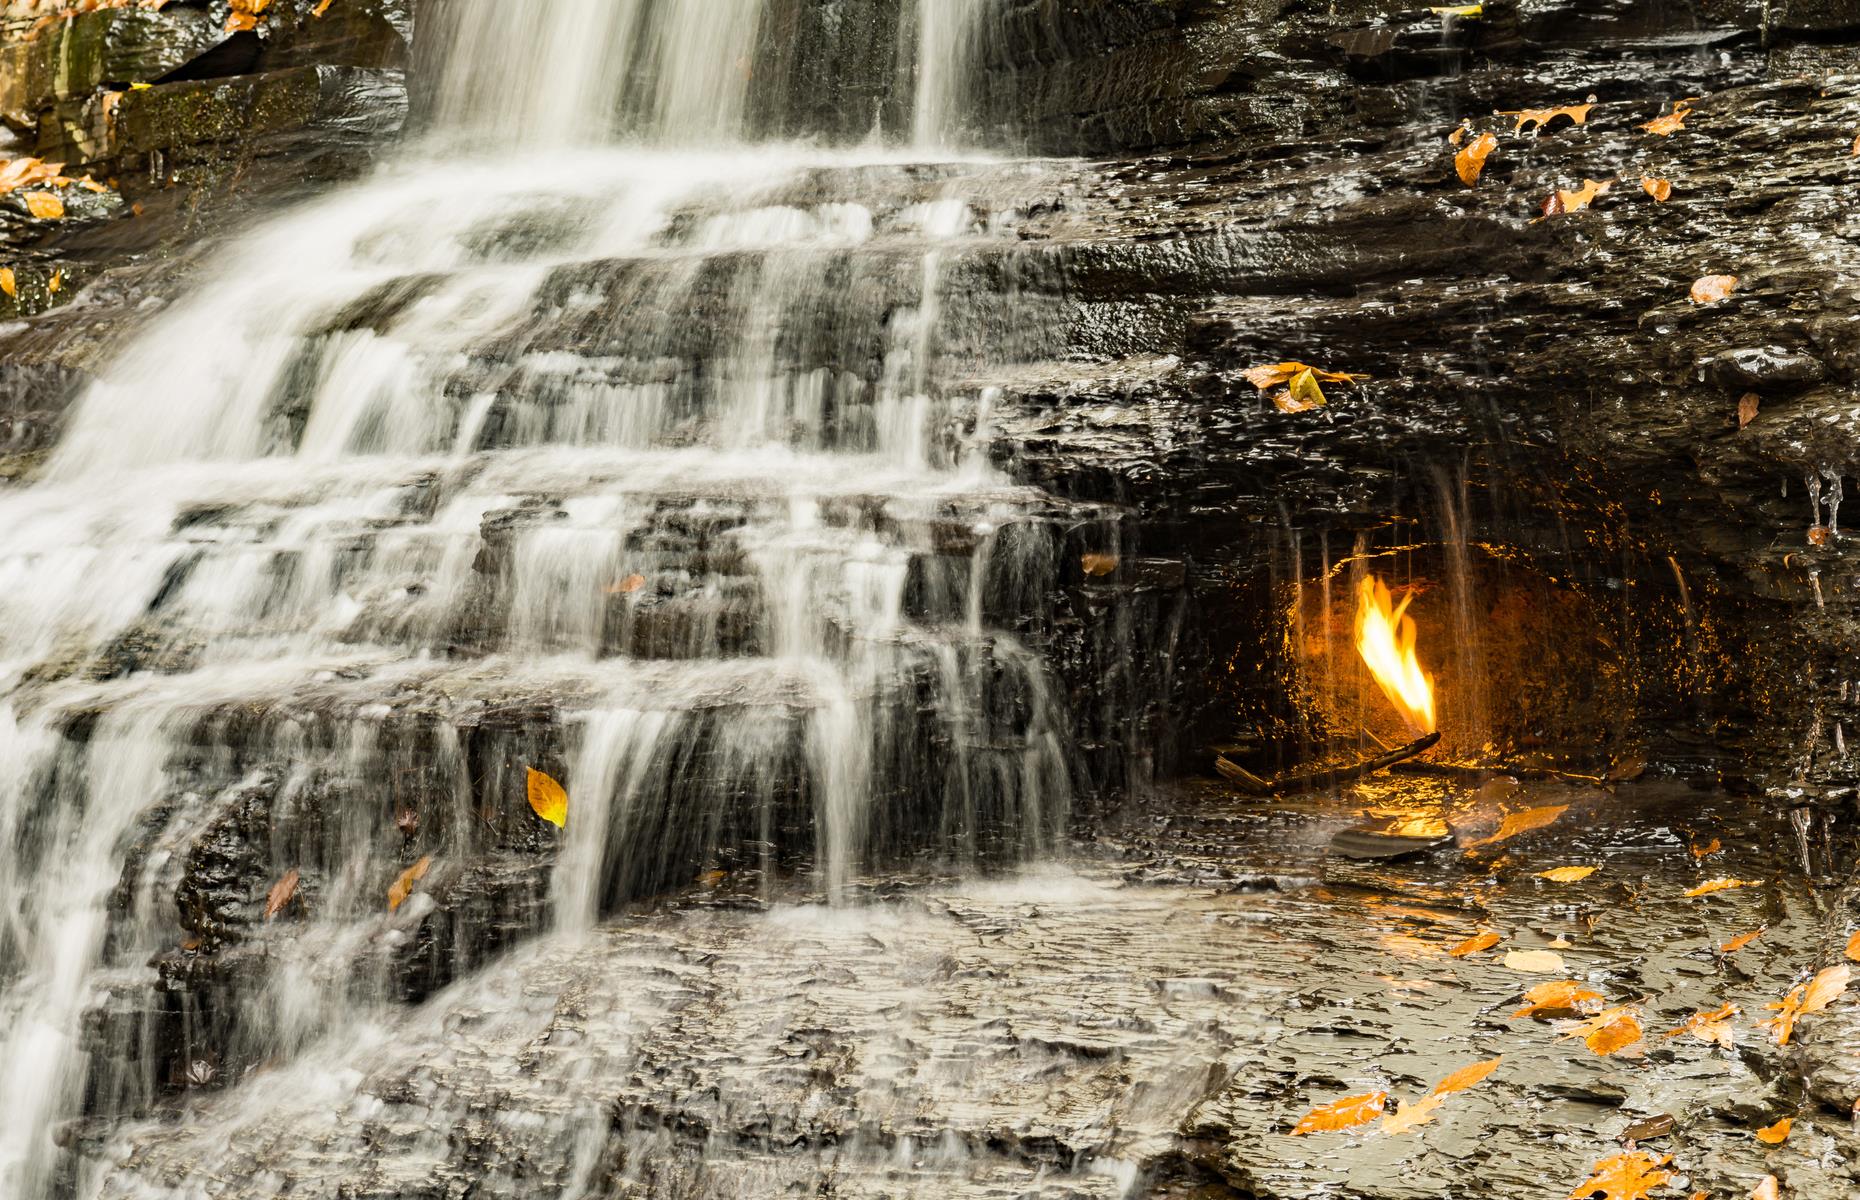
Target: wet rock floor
(1151,1017)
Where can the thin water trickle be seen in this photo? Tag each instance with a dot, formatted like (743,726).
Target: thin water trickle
(616,418)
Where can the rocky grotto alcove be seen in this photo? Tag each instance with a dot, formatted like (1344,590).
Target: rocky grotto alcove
(717,599)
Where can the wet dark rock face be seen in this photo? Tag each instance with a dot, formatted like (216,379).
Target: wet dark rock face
(1262,182)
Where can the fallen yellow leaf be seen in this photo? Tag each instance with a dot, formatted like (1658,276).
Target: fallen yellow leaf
(1541,117)
(1567,874)
(1707,850)
(1853,947)
(1346,1113)
(281,893)
(1766,1189)
(1534,961)
(44,206)
(1629,1176)
(1274,374)
(548,798)
(1659,189)
(1470,161)
(1098,564)
(1485,941)
(322,8)
(1713,1026)
(1467,1077)
(1740,941)
(1721,885)
(1747,405)
(1610,1030)
(627,586)
(1710,289)
(1777,1134)
(1563,997)
(1523,822)
(1672,122)
(1408,1116)
(401,888)
(1805,998)
(1565,201)
(9,283)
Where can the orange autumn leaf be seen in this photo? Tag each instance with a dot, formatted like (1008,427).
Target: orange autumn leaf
(1541,117)
(1523,822)
(1273,375)
(1485,941)
(1098,564)
(1853,947)
(1709,289)
(1672,122)
(55,282)
(1610,1030)
(1805,998)
(1467,1077)
(627,586)
(1707,850)
(1454,138)
(401,888)
(1740,941)
(9,283)
(1720,885)
(1659,189)
(1470,161)
(1747,405)
(1565,201)
(1567,874)
(1562,997)
(548,799)
(1709,1027)
(281,893)
(322,8)
(1766,1189)
(1543,962)
(1777,1134)
(1409,1116)
(44,206)
(1346,1113)
(1629,1176)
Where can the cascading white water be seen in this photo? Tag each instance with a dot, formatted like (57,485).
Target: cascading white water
(617,416)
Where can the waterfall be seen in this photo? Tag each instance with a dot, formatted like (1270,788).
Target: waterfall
(589,436)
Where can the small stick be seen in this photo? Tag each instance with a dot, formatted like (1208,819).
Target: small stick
(1292,784)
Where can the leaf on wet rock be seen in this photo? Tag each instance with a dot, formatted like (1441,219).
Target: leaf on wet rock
(1523,822)
(1672,122)
(1709,1027)
(401,888)
(55,282)
(1564,997)
(1346,1113)
(1273,375)
(1459,133)
(1629,1176)
(1409,1116)
(1534,961)
(321,8)
(1709,289)
(1481,941)
(1747,408)
(281,893)
(1657,1126)
(1470,160)
(1777,1134)
(1707,849)
(1805,998)
(9,283)
(1098,564)
(1567,874)
(1467,1077)
(1659,189)
(1720,885)
(548,799)
(1853,947)
(44,206)
(1301,395)
(627,586)
(1740,941)
(1611,1030)
(1766,1189)
(1565,201)
(1541,117)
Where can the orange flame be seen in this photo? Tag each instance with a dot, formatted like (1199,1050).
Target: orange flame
(1385,639)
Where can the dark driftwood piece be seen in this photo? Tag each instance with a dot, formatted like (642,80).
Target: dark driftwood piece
(1246,781)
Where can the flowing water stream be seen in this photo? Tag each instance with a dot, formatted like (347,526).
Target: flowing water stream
(591,435)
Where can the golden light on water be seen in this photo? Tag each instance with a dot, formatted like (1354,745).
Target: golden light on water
(1385,638)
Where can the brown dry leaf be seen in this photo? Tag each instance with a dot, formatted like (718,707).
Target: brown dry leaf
(1707,850)
(1629,1176)
(1713,1026)
(1805,998)
(1856,151)
(1098,564)
(402,887)
(548,798)
(1853,947)
(627,586)
(1541,117)
(1410,1115)
(1467,1077)
(1720,885)
(1561,998)
(1740,941)
(1534,961)
(1470,161)
(1487,940)
(1766,1189)
(1273,375)
(9,283)
(1659,189)
(1346,1113)
(1523,822)
(1817,535)
(1565,201)
(1777,1134)
(281,894)
(1567,874)
(44,206)
(1710,289)
(1454,138)
(1672,122)
(1747,408)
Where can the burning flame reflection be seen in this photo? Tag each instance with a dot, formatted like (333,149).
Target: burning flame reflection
(1385,639)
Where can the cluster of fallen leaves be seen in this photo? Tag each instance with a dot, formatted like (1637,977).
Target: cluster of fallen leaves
(1352,1111)
(1294,387)
(245,15)
(20,173)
